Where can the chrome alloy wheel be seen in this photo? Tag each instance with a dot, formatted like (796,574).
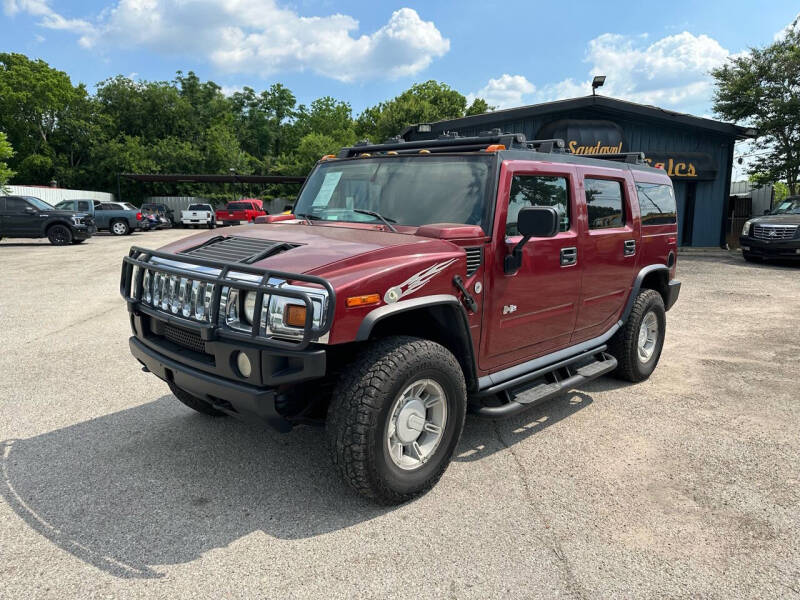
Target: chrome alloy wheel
(416,424)
(648,337)
(118,227)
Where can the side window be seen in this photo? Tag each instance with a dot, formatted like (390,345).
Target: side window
(16,205)
(604,203)
(656,203)
(538,190)
(104,206)
(83,205)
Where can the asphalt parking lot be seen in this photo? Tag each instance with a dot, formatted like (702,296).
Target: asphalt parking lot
(687,485)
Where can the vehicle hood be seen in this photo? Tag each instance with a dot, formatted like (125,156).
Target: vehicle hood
(330,251)
(777,220)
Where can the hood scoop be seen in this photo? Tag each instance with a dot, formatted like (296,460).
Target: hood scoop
(238,249)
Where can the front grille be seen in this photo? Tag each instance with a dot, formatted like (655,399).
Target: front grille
(186,339)
(238,249)
(774,232)
(474,259)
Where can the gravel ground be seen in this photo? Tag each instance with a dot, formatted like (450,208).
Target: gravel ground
(687,485)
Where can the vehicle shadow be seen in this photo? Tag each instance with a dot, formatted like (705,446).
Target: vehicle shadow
(157,484)
(483,437)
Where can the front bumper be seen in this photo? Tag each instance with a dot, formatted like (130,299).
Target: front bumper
(83,232)
(213,377)
(768,249)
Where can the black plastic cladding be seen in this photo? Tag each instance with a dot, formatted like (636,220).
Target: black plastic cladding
(139,257)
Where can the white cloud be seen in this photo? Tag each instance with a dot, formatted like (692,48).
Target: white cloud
(504,92)
(794,25)
(671,72)
(258,36)
(48,18)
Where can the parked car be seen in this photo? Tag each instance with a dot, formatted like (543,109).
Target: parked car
(199,214)
(775,235)
(120,218)
(247,210)
(165,213)
(30,217)
(408,288)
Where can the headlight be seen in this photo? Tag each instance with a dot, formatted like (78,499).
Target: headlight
(249,307)
(746,228)
(77,220)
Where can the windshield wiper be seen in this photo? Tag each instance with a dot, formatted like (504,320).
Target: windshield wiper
(307,217)
(377,215)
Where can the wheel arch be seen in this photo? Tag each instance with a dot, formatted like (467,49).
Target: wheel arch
(50,224)
(651,277)
(440,318)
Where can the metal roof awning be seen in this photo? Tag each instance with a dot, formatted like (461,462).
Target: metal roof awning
(205,178)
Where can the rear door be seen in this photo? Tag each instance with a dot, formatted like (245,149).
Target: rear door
(532,312)
(609,247)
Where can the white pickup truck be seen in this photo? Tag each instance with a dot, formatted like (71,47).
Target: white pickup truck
(198,214)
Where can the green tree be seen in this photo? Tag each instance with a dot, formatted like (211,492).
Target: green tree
(34,100)
(421,103)
(762,89)
(6,152)
(478,107)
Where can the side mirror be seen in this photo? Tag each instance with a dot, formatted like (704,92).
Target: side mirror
(532,221)
(30,210)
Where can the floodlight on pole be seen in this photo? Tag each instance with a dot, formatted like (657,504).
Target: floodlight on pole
(597,82)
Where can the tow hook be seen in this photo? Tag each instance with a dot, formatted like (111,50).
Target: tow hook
(465,295)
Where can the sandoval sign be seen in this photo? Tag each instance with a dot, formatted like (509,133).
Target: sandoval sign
(589,136)
(585,136)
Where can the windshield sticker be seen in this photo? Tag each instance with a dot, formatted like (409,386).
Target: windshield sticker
(326,189)
(415,282)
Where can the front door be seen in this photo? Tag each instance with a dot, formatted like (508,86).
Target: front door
(532,312)
(20,219)
(609,248)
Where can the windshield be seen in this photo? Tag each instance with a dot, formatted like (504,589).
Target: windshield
(199,207)
(412,191)
(788,207)
(38,203)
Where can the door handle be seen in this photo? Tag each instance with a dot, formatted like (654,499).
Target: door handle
(569,256)
(629,248)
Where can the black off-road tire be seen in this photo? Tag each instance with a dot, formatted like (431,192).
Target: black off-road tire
(624,345)
(194,402)
(358,416)
(750,258)
(59,235)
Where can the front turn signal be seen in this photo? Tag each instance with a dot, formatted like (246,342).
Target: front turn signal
(294,315)
(365,300)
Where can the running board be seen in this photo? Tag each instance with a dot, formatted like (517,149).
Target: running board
(521,398)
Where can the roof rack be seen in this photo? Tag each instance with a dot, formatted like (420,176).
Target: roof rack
(447,142)
(631,158)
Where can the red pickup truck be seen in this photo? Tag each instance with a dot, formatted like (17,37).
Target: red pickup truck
(246,209)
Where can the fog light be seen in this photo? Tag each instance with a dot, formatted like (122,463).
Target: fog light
(243,364)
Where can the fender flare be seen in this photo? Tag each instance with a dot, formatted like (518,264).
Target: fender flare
(461,328)
(57,221)
(637,285)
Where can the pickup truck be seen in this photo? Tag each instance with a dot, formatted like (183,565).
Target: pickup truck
(30,217)
(120,218)
(199,214)
(247,209)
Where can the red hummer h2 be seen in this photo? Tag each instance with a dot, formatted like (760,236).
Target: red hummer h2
(415,281)
(245,210)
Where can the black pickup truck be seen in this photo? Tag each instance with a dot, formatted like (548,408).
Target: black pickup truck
(29,217)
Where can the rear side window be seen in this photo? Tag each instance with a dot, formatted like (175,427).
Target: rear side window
(537,190)
(83,205)
(16,204)
(604,203)
(656,203)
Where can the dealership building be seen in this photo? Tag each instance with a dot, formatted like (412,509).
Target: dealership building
(697,153)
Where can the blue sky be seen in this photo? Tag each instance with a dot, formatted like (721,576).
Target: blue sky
(510,52)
